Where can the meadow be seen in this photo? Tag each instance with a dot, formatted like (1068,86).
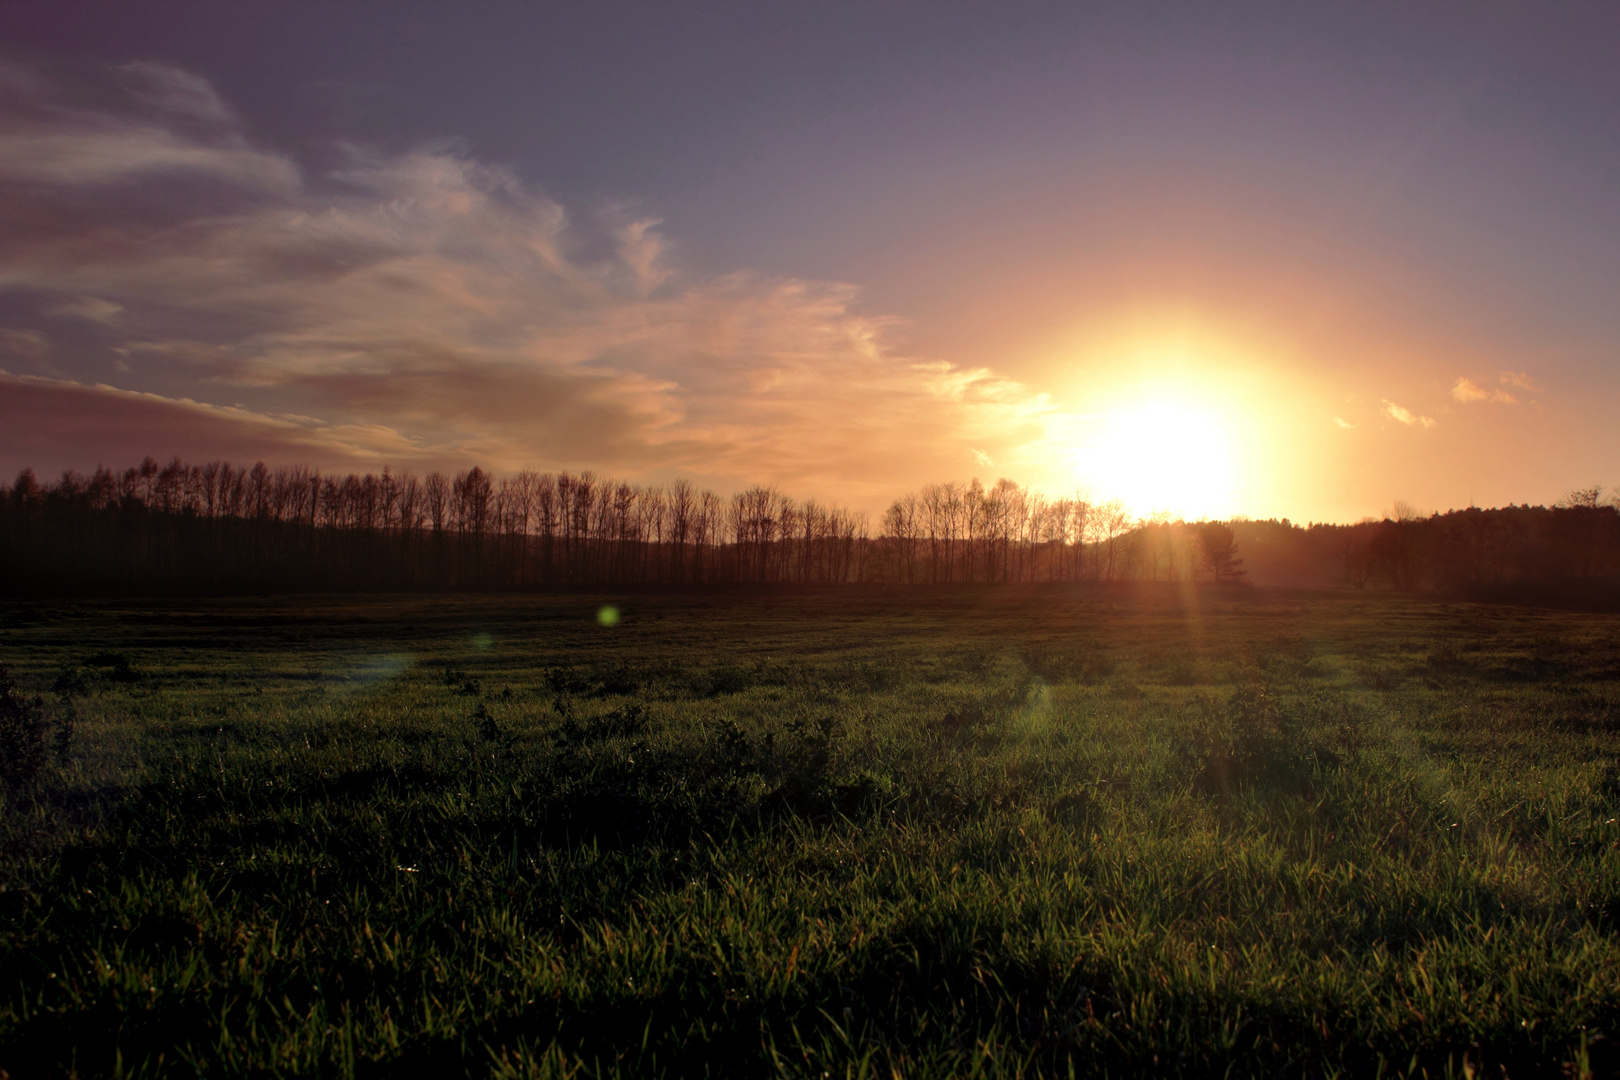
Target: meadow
(980,832)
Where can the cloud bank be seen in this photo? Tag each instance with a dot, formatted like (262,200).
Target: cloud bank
(167,285)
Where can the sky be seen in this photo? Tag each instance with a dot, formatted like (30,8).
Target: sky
(1251,259)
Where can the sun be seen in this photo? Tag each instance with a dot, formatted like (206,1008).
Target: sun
(1163,455)
(1186,421)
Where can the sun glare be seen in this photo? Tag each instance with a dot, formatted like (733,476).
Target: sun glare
(1164,456)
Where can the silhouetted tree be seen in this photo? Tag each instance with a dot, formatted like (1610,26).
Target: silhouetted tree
(1217,552)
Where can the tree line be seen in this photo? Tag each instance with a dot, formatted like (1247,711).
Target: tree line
(222,527)
(1567,552)
(218,527)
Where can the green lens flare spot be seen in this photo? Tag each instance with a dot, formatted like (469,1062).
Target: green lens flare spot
(482,641)
(607,615)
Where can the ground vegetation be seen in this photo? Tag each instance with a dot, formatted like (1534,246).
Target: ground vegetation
(1010,831)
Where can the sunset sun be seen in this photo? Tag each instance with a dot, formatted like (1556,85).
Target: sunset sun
(1163,455)
(1167,456)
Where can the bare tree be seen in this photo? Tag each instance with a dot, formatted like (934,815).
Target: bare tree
(436,492)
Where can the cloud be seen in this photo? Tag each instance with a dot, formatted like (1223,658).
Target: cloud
(1468,391)
(1342,422)
(111,156)
(435,308)
(170,89)
(177,127)
(640,249)
(92,308)
(28,344)
(1406,416)
(50,420)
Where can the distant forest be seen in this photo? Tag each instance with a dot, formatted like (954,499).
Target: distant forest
(217,528)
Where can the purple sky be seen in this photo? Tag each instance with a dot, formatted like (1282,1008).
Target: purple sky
(845,249)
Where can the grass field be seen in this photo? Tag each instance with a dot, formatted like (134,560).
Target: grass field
(931,834)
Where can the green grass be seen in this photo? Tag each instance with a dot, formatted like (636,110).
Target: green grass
(977,833)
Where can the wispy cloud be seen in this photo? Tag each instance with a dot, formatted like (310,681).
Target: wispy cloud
(42,413)
(1468,391)
(93,308)
(172,90)
(1406,416)
(433,307)
(24,344)
(1342,422)
(91,156)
